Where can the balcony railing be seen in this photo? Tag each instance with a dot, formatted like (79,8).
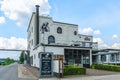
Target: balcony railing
(78,44)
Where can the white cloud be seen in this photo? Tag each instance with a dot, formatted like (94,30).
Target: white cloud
(2,20)
(13,43)
(101,43)
(97,32)
(86,30)
(116,46)
(98,40)
(19,23)
(115,36)
(89,31)
(20,10)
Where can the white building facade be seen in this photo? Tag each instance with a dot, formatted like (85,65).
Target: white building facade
(60,39)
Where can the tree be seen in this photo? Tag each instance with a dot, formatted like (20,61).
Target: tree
(21,58)
(9,61)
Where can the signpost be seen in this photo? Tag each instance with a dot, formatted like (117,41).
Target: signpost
(46,62)
(60,64)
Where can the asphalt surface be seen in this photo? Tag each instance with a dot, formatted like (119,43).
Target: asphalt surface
(10,72)
(95,72)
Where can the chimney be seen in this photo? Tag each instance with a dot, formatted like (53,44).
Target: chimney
(37,24)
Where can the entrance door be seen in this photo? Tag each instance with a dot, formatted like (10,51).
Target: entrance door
(86,58)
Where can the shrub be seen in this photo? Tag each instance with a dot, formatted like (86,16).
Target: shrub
(106,67)
(74,70)
(3,63)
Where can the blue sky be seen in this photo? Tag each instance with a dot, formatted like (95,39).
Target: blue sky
(99,18)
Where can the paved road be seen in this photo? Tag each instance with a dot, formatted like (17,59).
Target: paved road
(10,72)
(95,72)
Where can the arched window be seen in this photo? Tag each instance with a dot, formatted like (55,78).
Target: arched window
(59,30)
(75,32)
(51,39)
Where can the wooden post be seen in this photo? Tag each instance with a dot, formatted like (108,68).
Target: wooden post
(59,65)
(60,58)
(62,66)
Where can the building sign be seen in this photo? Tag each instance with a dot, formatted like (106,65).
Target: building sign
(46,64)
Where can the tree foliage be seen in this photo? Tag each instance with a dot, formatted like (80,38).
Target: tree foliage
(21,58)
(9,60)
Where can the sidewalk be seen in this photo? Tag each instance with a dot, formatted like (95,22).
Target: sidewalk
(24,72)
(33,73)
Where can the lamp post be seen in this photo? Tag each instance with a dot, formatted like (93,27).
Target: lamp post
(44,57)
(44,29)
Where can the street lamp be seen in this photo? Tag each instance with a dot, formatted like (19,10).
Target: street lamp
(44,29)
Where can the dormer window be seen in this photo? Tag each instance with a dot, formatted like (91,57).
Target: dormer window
(59,30)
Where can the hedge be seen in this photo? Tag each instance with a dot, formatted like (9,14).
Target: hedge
(2,63)
(74,70)
(106,67)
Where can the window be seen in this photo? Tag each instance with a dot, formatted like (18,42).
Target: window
(32,29)
(34,56)
(51,39)
(32,42)
(86,57)
(72,56)
(87,38)
(117,57)
(87,44)
(75,32)
(103,58)
(112,57)
(80,37)
(38,55)
(59,30)
(31,60)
